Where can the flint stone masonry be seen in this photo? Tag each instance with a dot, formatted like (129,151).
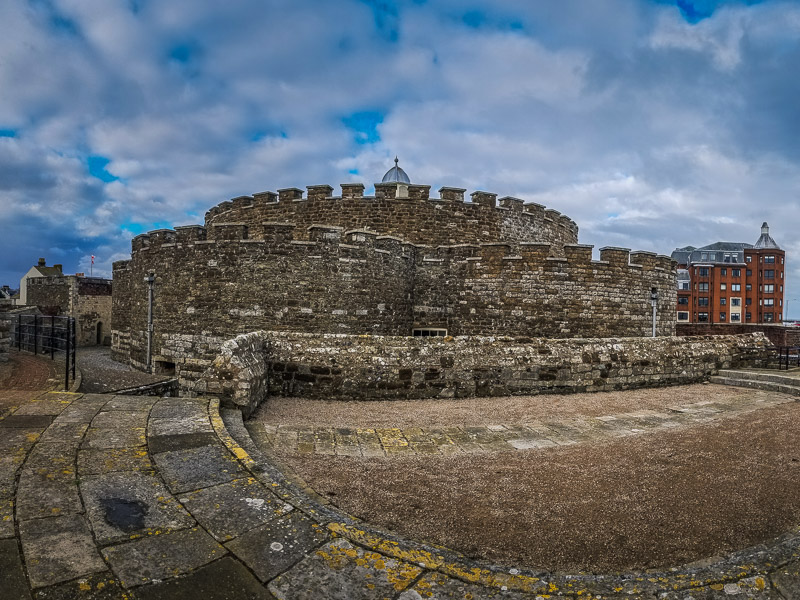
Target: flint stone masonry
(5,339)
(419,219)
(381,367)
(357,282)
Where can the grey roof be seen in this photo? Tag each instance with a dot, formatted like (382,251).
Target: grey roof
(395,174)
(49,271)
(718,252)
(726,246)
(766,241)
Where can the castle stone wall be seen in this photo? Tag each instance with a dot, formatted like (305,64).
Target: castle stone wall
(380,367)
(418,219)
(223,286)
(524,291)
(87,299)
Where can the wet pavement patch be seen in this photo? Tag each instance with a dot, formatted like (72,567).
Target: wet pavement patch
(221,580)
(127,515)
(185,470)
(186,441)
(11,574)
(27,421)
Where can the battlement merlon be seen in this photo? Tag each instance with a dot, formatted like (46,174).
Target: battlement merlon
(190,233)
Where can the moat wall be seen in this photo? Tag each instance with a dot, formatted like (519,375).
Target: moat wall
(329,366)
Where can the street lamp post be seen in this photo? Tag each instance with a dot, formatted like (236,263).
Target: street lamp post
(654,302)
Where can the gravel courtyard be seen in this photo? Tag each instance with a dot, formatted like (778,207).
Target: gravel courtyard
(665,477)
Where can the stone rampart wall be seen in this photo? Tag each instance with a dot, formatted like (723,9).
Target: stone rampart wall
(361,368)
(418,219)
(779,335)
(384,367)
(5,339)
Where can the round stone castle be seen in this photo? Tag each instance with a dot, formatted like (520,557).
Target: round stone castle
(398,263)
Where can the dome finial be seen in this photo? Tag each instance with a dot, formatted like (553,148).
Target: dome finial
(396,174)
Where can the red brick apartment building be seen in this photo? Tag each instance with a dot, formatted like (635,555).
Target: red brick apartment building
(731,282)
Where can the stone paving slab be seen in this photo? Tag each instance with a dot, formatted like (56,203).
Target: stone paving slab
(99,586)
(126,403)
(230,509)
(59,549)
(39,496)
(275,546)
(114,438)
(26,421)
(6,518)
(13,584)
(121,419)
(224,579)
(125,505)
(109,460)
(341,571)
(441,587)
(187,470)
(185,441)
(162,556)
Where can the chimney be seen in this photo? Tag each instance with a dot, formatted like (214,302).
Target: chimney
(59,267)
(42,262)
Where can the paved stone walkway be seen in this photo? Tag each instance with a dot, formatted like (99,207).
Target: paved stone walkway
(288,440)
(25,371)
(106,496)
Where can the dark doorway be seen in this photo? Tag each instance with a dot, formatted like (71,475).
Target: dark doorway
(99,334)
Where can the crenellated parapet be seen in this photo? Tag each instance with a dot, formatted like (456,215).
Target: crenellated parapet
(403,210)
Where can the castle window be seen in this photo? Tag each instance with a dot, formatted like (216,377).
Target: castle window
(428,332)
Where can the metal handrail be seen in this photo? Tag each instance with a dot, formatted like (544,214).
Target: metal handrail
(50,334)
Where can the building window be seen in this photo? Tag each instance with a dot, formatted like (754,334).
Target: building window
(703,271)
(781,260)
(769,302)
(736,301)
(769,288)
(721,316)
(749,273)
(683,285)
(723,286)
(736,317)
(723,272)
(768,318)
(428,332)
(769,274)
(723,301)
(748,286)
(736,287)
(683,316)
(781,289)
(702,317)
(683,300)
(770,260)
(748,315)
(703,287)
(702,302)
(747,258)
(748,301)
(704,256)
(736,272)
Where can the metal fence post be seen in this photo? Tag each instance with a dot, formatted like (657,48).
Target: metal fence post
(74,346)
(66,358)
(35,335)
(52,335)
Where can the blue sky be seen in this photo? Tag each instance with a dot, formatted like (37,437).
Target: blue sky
(652,123)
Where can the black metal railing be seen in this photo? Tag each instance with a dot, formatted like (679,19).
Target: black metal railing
(42,334)
(788,356)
